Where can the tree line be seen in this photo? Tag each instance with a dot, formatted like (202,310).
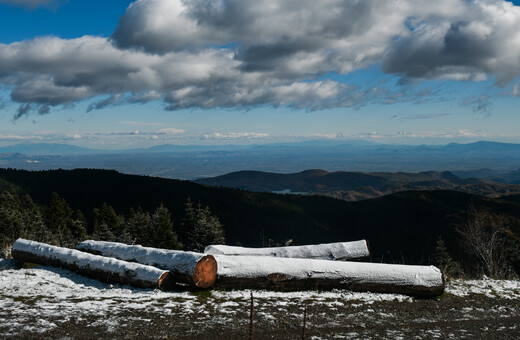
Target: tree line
(401,228)
(58,224)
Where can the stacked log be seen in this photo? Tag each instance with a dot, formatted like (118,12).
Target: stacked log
(263,272)
(339,251)
(191,268)
(104,269)
(255,272)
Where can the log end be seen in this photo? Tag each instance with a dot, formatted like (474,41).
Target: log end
(166,281)
(205,272)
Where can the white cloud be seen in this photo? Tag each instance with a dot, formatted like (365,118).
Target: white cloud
(73,136)
(128,122)
(244,53)
(464,133)
(33,4)
(236,135)
(170,131)
(421,116)
(478,38)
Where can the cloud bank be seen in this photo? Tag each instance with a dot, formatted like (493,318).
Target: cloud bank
(33,4)
(244,53)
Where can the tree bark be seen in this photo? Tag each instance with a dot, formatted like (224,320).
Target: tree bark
(192,268)
(255,272)
(340,251)
(104,269)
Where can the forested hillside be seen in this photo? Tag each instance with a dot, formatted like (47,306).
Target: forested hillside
(403,227)
(353,186)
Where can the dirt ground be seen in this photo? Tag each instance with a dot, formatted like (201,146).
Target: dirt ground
(472,317)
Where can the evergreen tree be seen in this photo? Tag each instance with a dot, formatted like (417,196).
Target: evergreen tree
(443,260)
(189,218)
(114,224)
(441,257)
(93,221)
(58,218)
(78,229)
(11,220)
(163,235)
(138,225)
(40,232)
(107,224)
(36,229)
(110,218)
(206,230)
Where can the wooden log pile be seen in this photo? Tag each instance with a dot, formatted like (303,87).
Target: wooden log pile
(102,268)
(192,268)
(266,272)
(282,268)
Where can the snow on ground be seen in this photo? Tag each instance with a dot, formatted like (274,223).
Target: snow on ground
(509,289)
(37,299)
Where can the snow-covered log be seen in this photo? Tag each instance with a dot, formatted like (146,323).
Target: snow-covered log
(259,272)
(340,251)
(187,267)
(105,269)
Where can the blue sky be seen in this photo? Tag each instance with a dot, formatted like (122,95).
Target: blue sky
(103,74)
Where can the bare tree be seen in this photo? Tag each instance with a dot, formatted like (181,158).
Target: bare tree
(484,235)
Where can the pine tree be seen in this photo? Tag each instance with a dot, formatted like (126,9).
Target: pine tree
(443,260)
(138,225)
(58,217)
(205,230)
(78,229)
(93,221)
(189,218)
(36,229)
(11,220)
(106,223)
(441,257)
(162,228)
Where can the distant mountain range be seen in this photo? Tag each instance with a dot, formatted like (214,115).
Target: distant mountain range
(353,186)
(57,149)
(501,160)
(46,149)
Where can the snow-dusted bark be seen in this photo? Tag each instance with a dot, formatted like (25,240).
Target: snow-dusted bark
(340,251)
(105,269)
(259,272)
(187,267)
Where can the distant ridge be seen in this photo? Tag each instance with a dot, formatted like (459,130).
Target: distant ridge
(354,186)
(200,161)
(65,149)
(47,149)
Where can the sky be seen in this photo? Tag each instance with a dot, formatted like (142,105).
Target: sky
(123,74)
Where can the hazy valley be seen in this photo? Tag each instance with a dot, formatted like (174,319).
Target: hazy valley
(486,160)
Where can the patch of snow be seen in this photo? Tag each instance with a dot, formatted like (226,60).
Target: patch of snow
(229,304)
(47,297)
(509,289)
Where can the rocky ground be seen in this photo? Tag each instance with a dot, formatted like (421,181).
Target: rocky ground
(50,303)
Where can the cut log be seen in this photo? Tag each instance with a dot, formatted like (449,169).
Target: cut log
(187,267)
(340,251)
(260,272)
(104,269)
